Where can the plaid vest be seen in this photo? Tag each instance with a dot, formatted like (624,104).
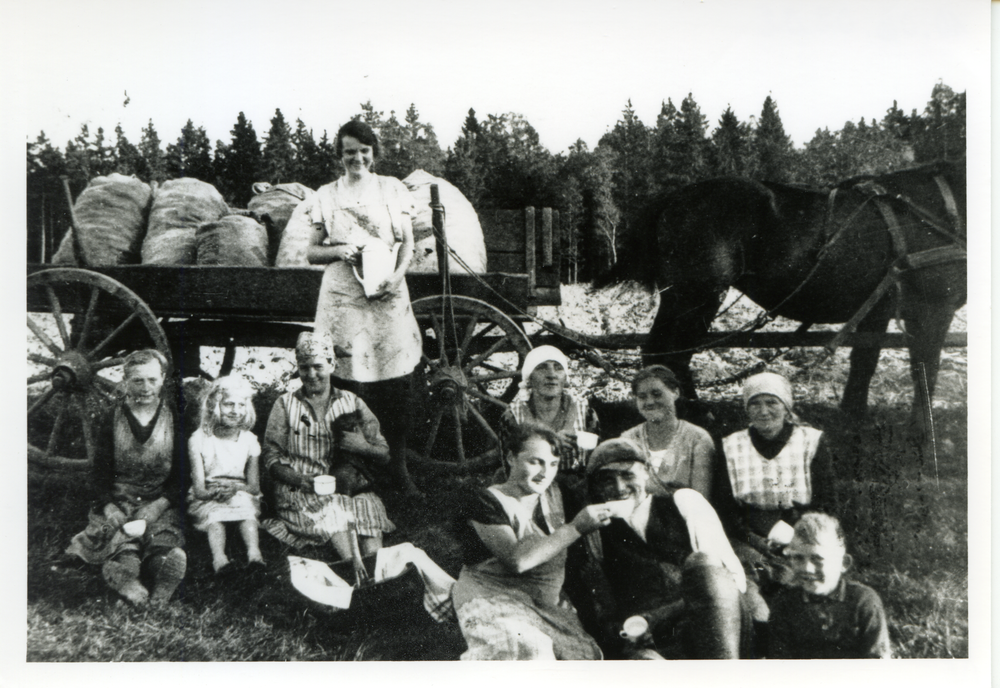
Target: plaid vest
(776,483)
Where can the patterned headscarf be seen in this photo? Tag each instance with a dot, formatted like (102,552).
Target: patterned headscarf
(314,345)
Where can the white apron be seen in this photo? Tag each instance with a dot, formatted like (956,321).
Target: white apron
(381,334)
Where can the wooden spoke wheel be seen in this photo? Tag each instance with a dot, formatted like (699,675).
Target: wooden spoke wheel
(472,361)
(81,325)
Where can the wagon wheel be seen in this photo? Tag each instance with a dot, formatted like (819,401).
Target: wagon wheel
(81,326)
(472,366)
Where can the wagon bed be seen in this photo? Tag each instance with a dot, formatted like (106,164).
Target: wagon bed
(474,341)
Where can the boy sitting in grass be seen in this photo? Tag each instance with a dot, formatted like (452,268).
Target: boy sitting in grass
(825,616)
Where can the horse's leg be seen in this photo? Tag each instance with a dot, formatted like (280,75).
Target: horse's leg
(864,360)
(927,332)
(681,321)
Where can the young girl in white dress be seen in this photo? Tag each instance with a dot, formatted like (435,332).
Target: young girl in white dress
(225,470)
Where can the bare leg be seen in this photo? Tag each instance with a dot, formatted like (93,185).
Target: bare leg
(370,544)
(251,536)
(342,543)
(217,543)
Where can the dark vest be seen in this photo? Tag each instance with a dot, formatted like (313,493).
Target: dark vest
(646,574)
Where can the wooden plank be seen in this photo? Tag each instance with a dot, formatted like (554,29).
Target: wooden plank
(503,230)
(755,340)
(222,292)
(546,237)
(529,246)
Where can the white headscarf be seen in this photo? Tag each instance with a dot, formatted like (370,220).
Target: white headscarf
(769,383)
(540,355)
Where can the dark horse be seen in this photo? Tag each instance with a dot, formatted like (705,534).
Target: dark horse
(812,256)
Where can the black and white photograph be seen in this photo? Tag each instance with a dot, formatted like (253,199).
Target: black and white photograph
(415,333)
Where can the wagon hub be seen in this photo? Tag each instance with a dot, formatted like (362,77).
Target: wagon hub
(72,369)
(447,384)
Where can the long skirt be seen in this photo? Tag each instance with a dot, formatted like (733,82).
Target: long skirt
(503,623)
(310,519)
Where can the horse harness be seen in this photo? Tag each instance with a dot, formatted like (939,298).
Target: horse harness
(905,261)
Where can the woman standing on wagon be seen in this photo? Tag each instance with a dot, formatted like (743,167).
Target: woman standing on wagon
(350,216)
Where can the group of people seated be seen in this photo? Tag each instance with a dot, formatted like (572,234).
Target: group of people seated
(650,545)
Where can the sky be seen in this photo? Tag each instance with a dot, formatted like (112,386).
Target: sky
(568,67)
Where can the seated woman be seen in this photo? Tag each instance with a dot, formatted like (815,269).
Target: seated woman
(677,451)
(774,469)
(135,529)
(547,402)
(508,597)
(304,440)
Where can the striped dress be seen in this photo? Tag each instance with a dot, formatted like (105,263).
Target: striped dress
(297,438)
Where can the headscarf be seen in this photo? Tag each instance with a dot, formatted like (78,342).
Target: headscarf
(540,355)
(314,345)
(773,384)
(615,451)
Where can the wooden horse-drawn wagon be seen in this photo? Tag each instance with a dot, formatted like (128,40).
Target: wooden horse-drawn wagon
(82,322)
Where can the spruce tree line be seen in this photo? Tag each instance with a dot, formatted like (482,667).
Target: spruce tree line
(499,162)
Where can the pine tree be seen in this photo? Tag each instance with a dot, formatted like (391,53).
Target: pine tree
(941,130)
(242,163)
(155,167)
(772,148)
(79,167)
(102,156)
(394,138)
(460,167)
(681,151)
(423,150)
(279,154)
(191,156)
(329,167)
(731,142)
(127,158)
(309,167)
(630,141)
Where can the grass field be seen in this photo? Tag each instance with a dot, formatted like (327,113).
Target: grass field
(906,519)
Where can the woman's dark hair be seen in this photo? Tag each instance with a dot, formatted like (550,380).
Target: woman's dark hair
(360,131)
(525,431)
(657,372)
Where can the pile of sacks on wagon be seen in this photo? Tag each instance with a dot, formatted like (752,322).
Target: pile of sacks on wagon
(121,220)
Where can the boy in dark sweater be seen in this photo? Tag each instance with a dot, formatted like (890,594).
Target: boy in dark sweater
(823,615)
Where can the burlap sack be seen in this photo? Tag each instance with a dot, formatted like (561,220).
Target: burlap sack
(233,240)
(272,206)
(179,207)
(465,234)
(65,255)
(295,241)
(111,219)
